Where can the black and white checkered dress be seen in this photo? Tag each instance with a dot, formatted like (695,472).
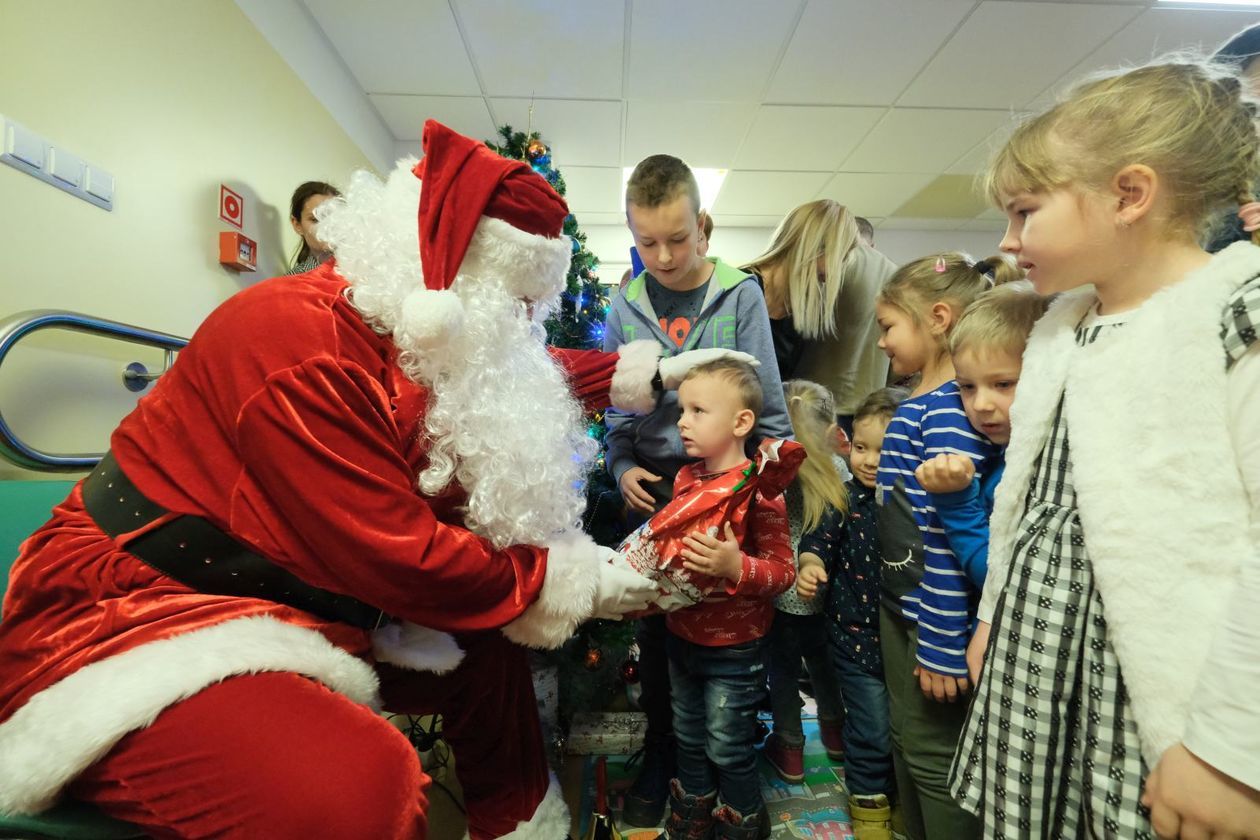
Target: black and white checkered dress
(1050,748)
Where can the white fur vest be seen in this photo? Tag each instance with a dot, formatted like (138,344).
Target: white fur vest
(1161,501)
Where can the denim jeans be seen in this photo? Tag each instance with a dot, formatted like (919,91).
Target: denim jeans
(867,736)
(792,637)
(716,691)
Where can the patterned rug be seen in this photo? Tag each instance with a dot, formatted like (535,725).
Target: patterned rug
(815,809)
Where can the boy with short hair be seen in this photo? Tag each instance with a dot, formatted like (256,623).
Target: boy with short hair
(716,647)
(987,347)
(684,301)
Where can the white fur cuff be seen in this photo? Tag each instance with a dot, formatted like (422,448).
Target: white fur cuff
(631,390)
(416,648)
(568,593)
(550,819)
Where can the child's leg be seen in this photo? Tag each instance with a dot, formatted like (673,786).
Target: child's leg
(868,762)
(930,733)
(732,688)
(816,650)
(687,684)
(784,669)
(897,651)
(645,801)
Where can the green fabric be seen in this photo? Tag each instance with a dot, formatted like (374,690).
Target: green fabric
(68,821)
(26,505)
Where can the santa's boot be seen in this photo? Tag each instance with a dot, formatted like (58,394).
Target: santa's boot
(690,815)
(729,824)
(646,798)
(872,817)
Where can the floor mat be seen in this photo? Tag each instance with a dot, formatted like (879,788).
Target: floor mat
(815,809)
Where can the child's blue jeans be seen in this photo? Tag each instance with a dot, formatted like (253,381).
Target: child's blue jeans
(715,692)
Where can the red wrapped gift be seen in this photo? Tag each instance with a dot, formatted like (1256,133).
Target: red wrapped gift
(705,503)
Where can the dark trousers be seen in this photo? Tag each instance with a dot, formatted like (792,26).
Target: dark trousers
(793,637)
(654,675)
(867,736)
(716,691)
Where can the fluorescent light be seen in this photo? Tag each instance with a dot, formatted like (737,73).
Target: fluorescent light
(709,181)
(1217,3)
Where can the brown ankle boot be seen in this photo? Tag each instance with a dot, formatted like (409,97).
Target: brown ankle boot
(690,816)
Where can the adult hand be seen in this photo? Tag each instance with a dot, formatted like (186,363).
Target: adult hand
(975,650)
(708,555)
(810,579)
(621,591)
(674,368)
(945,473)
(633,491)
(941,687)
(1190,798)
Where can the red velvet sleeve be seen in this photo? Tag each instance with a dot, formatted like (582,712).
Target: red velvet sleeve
(590,374)
(768,566)
(326,487)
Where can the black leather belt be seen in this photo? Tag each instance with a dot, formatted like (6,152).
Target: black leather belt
(199,555)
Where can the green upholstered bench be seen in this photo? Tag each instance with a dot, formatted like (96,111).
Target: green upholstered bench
(24,506)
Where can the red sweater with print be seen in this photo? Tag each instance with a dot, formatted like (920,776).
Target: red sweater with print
(743,609)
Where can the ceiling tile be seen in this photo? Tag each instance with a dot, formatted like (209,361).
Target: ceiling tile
(580,132)
(733,220)
(593,189)
(705,49)
(912,223)
(922,139)
(588,218)
(838,42)
(766,193)
(701,133)
(548,48)
(1152,34)
(1006,53)
(946,197)
(994,225)
(874,193)
(405,115)
(804,137)
(401,46)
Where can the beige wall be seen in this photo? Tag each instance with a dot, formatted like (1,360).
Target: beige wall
(173,97)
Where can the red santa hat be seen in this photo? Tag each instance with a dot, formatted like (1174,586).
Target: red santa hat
(480,213)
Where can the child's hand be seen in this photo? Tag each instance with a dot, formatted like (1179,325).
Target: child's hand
(940,687)
(808,580)
(712,556)
(1190,798)
(975,650)
(946,473)
(633,492)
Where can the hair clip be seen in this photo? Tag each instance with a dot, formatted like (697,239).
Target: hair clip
(939,268)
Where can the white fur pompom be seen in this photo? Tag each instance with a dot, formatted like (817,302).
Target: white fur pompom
(429,319)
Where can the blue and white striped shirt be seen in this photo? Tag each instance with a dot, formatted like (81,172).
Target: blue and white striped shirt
(921,577)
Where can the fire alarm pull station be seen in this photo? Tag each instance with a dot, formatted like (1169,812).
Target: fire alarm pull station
(238,251)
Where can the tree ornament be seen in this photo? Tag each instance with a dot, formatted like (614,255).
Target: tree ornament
(630,671)
(594,658)
(536,149)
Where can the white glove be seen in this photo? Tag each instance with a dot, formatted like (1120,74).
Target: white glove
(674,368)
(621,591)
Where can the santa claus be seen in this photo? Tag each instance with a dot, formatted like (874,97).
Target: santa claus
(201,636)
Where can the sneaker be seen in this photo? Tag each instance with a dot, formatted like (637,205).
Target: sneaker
(898,824)
(829,730)
(644,803)
(871,816)
(788,762)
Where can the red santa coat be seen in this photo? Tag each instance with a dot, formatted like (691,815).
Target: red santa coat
(286,423)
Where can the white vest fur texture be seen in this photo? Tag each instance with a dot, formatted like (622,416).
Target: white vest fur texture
(1161,501)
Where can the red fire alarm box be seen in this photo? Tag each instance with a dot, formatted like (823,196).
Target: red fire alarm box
(238,251)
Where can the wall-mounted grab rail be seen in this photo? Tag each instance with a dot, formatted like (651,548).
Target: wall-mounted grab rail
(135,376)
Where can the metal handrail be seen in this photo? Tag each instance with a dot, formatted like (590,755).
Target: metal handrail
(135,377)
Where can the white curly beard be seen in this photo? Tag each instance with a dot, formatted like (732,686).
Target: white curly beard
(501,420)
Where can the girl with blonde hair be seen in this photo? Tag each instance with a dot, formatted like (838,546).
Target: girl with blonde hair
(1121,613)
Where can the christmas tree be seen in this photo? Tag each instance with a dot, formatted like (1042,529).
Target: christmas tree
(592,667)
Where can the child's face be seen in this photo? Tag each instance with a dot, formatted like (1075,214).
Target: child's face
(907,345)
(1062,238)
(868,440)
(713,418)
(306,226)
(668,240)
(987,380)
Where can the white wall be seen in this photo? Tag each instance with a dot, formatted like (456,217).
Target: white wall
(174,97)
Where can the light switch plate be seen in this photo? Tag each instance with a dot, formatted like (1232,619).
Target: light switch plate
(28,152)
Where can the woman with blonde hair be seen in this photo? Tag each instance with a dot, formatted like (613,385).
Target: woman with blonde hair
(820,283)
